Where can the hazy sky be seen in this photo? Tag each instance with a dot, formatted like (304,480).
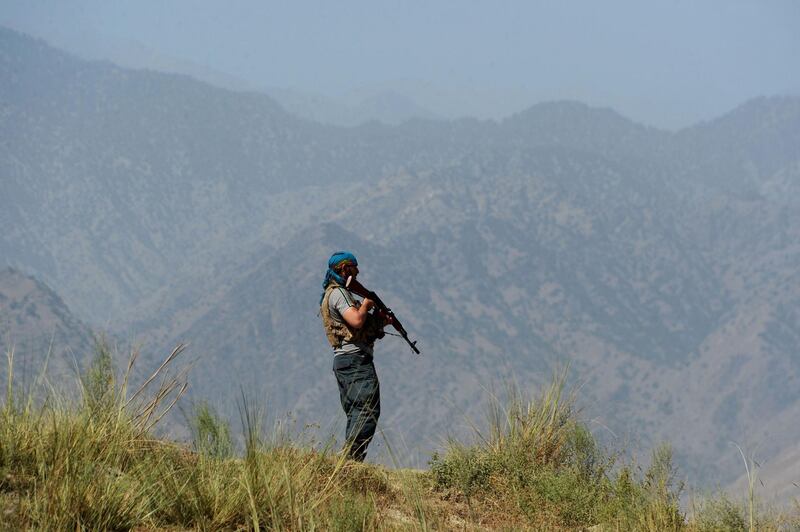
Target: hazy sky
(667,62)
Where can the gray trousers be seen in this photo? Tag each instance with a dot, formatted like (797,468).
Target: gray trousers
(359,392)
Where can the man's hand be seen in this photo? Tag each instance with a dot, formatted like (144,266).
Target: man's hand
(385,317)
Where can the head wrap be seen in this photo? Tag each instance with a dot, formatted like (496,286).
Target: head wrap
(330,276)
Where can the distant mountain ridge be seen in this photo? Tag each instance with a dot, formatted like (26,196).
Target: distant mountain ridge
(661,266)
(232,156)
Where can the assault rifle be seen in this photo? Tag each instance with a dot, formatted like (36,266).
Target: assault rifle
(359,289)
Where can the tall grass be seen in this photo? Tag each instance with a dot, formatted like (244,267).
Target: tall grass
(537,465)
(92,464)
(540,460)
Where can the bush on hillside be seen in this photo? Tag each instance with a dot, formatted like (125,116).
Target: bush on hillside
(545,464)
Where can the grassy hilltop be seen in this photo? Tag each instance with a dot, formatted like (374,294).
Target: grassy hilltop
(91,463)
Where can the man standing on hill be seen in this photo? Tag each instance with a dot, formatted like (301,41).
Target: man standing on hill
(352,330)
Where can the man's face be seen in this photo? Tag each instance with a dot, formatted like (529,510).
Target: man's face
(349,270)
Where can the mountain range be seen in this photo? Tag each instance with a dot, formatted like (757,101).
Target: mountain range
(660,266)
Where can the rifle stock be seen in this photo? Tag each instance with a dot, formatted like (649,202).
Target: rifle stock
(358,288)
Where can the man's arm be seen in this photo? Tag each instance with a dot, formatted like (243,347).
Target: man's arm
(356,317)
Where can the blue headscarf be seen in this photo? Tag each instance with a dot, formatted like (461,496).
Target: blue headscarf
(331,276)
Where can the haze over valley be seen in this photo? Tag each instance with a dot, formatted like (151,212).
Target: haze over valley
(660,265)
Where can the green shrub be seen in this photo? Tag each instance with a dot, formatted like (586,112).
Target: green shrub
(211,434)
(466,469)
(719,514)
(99,380)
(351,512)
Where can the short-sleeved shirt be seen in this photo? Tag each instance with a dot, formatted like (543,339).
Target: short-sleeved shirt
(340,300)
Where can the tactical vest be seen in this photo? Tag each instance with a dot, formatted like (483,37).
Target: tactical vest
(339,333)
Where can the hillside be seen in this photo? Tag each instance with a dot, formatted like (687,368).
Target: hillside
(39,329)
(659,266)
(93,463)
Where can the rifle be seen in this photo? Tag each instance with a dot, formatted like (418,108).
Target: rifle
(359,289)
